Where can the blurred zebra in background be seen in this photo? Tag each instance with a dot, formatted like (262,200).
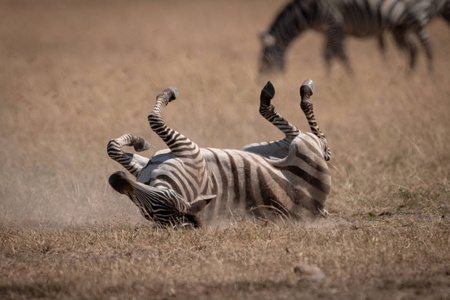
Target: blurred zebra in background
(289,177)
(360,18)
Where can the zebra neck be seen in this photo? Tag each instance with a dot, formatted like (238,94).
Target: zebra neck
(290,23)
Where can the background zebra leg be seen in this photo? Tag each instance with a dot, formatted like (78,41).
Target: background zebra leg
(382,45)
(132,162)
(335,48)
(425,40)
(406,43)
(306,91)
(327,55)
(267,110)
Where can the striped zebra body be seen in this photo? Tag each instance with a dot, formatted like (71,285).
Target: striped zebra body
(337,19)
(243,181)
(289,177)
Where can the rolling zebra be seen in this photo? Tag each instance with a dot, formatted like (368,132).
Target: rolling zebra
(360,18)
(186,186)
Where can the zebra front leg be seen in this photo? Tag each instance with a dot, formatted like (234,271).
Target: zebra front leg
(425,40)
(180,145)
(306,91)
(382,46)
(195,175)
(405,42)
(132,162)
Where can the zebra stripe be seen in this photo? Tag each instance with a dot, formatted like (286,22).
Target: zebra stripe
(163,205)
(132,162)
(337,19)
(171,188)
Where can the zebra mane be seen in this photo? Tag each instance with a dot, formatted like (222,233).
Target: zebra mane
(295,18)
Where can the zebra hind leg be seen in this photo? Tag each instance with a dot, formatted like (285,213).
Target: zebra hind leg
(267,110)
(306,91)
(273,149)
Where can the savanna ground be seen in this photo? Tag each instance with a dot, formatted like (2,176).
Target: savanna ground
(75,74)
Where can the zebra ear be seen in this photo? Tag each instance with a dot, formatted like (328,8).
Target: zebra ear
(200,203)
(267,39)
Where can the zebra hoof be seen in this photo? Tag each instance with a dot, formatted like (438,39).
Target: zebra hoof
(307,88)
(323,212)
(141,145)
(269,90)
(171,92)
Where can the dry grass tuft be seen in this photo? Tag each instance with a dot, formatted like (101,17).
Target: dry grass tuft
(76,74)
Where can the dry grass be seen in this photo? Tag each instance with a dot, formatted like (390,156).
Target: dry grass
(76,74)
(375,258)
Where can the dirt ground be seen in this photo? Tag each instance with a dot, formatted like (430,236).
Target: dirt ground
(75,74)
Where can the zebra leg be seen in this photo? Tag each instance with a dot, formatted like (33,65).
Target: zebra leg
(132,162)
(382,45)
(425,40)
(405,42)
(306,91)
(335,48)
(280,148)
(195,167)
(180,145)
(327,55)
(267,110)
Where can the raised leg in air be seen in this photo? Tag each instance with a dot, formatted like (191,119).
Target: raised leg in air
(274,149)
(267,110)
(132,162)
(180,145)
(306,91)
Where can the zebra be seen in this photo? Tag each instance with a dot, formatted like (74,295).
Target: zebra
(360,18)
(187,186)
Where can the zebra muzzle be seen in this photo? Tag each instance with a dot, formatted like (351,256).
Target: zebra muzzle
(120,182)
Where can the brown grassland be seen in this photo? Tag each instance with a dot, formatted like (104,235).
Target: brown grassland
(75,74)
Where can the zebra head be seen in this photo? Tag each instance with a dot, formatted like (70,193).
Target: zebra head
(163,206)
(272,55)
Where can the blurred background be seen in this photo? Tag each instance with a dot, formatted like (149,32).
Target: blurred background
(75,74)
